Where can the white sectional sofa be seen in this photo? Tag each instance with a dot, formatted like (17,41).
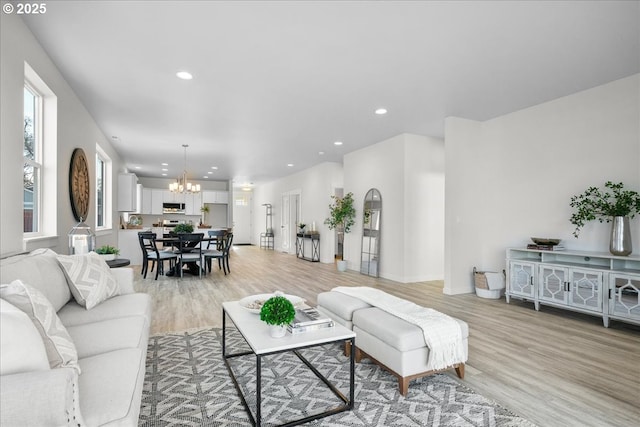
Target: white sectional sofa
(102,383)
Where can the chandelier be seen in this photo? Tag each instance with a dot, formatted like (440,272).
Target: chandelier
(181,185)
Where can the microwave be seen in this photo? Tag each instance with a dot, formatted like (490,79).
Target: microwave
(173,208)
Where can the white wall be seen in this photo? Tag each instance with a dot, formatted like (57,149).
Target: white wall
(315,184)
(75,129)
(512,177)
(408,170)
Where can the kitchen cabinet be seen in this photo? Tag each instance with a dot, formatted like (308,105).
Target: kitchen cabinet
(127,192)
(220,197)
(146,201)
(152,200)
(157,198)
(192,204)
(170,197)
(594,283)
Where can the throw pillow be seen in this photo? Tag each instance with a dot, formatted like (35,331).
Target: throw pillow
(61,351)
(20,342)
(89,278)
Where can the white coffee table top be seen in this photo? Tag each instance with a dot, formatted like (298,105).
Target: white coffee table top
(256,332)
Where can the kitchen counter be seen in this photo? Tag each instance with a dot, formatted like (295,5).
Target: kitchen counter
(129,244)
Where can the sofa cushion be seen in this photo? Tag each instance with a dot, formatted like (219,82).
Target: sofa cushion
(41,270)
(394,331)
(110,387)
(60,349)
(108,335)
(138,304)
(341,304)
(21,347)
(89,278)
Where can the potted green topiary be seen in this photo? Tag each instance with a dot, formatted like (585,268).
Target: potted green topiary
(342,217)
(277,312)
(183,228)
(108,253)
(613,204)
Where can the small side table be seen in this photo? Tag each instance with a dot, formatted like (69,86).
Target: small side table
(118,262)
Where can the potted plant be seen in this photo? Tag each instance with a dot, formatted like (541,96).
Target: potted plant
(183,228)
(342,217)
(203,222)
(108,253)
(613,204)
(277,312)
(301,226)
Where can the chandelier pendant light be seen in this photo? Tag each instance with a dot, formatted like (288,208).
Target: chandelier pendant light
(182,185)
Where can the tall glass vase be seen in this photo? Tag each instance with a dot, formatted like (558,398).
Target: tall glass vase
(620,236)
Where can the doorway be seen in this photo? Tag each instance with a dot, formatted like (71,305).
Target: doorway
(291,214)
(242,202)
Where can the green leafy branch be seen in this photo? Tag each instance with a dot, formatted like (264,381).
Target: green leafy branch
(603,205)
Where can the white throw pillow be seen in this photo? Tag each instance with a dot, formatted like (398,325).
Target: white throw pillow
(61,351)
(89,278)
(21,346)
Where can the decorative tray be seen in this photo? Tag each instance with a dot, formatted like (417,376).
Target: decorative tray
(254,303)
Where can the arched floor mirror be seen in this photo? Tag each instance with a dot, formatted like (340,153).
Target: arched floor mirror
(370,255)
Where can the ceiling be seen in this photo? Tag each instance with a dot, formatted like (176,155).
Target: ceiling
(277,83)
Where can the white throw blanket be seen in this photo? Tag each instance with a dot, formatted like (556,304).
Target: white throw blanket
(442,333)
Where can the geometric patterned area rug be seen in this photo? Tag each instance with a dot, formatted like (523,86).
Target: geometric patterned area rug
(187,384)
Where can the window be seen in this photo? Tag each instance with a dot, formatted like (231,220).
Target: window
(40,154)
(103,192)
(32,154)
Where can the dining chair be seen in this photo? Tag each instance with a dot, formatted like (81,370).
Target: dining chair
(219,238)
(150,252)
(190,251)
(221,255)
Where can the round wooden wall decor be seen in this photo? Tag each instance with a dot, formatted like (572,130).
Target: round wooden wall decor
(79,186)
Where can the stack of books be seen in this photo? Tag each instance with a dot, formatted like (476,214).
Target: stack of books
(309,319)
(545,247)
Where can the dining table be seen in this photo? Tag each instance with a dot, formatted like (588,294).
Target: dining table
(174,242)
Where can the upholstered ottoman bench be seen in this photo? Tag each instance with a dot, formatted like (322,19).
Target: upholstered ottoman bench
(340,308)
(396,344)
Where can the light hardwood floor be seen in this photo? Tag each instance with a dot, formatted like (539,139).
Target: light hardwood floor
(553,367)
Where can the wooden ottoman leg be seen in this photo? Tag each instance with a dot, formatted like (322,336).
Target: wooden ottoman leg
(460,370)
(358,355)
(347,348)
(403,385)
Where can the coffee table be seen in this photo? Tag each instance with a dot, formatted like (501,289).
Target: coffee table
(256,333)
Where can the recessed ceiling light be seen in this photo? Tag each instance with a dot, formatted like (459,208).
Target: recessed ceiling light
(206,177)
(290,165)
(138,167)
(337,143)
(164,174)
(165,170)
(321,153)
(209,172)
(381,111)
(214,167)
(164,164)
(184,75)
